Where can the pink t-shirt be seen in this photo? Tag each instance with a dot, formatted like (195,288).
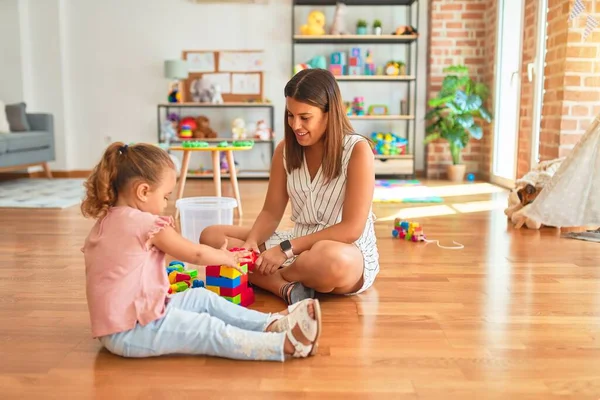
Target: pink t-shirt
(126,280)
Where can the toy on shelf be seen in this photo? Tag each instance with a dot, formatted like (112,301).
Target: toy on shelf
(338,63)
(410,231)
(395,68)
(238,128)
(405,30)
(217,98)
(261,132)
(355,66)
(182,279)
(174,93)
(315,62)
(358,106)
(378,109)
(203,129)
(201,90)
(315,24)
(388,144)
(185,132)
(369,64)
(230,283)
(338,27)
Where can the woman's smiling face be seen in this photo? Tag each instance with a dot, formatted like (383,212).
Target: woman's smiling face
(308,122)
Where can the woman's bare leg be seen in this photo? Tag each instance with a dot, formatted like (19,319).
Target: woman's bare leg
(329,267)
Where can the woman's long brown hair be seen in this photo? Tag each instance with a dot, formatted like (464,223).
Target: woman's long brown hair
(318,88)
(119,166)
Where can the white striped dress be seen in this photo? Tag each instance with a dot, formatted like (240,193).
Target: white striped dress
(317,205)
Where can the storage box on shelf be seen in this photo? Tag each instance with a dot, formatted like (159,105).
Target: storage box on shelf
(183,109)
(354,66)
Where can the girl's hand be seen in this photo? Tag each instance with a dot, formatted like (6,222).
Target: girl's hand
(270,261)
(236,257)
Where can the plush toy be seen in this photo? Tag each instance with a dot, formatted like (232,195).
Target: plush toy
(216,95)
(203,129)
(238,128)
(261,132)
(315,24)
(201,90)
(339,23)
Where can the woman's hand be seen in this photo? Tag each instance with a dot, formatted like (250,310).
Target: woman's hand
(270,261)
(251,246)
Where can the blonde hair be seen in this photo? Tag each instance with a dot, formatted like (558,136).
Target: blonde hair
(119,166)
(319,88)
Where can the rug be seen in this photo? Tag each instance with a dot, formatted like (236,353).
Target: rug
(41,193)
(403,191)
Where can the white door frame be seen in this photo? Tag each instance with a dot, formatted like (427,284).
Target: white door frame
(537,68)
(501,181)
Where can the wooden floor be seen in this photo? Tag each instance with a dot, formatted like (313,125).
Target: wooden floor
(513,315)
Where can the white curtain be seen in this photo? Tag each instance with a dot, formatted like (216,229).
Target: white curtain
(572,197)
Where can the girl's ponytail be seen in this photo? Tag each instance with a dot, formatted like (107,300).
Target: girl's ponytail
(120,165)
(100,191)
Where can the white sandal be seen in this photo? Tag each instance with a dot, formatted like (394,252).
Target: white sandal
(310,328)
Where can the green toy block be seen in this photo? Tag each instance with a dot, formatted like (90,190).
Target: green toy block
(235,300)
(193,273)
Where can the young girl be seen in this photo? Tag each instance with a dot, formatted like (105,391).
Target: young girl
(126,281)
(326,171)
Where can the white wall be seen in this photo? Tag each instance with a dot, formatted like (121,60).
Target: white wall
(98,66)
(11,82)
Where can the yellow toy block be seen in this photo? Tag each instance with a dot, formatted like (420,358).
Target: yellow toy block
(232,273)
(214,289)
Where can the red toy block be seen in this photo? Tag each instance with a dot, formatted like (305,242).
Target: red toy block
(247,297)
(232,292)
(336,69)
(213,270)
(354,62)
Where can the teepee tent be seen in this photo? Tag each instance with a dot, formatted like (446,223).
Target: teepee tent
(572,197)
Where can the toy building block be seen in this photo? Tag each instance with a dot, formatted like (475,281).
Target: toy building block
(336,69)
(230,283)
(180,278)
(338,58)
(411,231)
(355,52)
(354,70)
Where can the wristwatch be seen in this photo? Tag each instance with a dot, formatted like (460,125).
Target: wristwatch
(286,247)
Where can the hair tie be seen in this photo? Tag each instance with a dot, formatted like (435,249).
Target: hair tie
(123,149)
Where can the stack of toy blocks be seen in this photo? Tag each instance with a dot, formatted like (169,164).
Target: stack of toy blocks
(182,279)
(337,64)
(230,283)
(411,231)
(355,66)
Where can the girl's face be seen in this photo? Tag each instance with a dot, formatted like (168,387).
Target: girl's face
(308,122)
(153,199)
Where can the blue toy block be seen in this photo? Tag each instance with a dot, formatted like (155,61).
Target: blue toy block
(395,233)
(404,225)
(175,262)
(197,283)
(355,52)
(338,58)
(223,282)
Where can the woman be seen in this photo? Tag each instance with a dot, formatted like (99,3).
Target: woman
(326,170)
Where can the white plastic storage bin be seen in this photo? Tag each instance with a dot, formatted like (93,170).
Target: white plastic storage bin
(197,213)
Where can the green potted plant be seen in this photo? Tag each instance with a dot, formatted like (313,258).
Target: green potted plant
(361,27)
(377,27)
(455,113)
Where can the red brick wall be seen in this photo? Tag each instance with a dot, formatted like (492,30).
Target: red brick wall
(581,102)
(572,84)
(526,104)
(554,78)
(459,34)
(487,142)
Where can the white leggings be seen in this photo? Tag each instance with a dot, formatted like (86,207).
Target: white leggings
(200,322)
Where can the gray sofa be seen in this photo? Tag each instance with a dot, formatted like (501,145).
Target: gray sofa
(33,146)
